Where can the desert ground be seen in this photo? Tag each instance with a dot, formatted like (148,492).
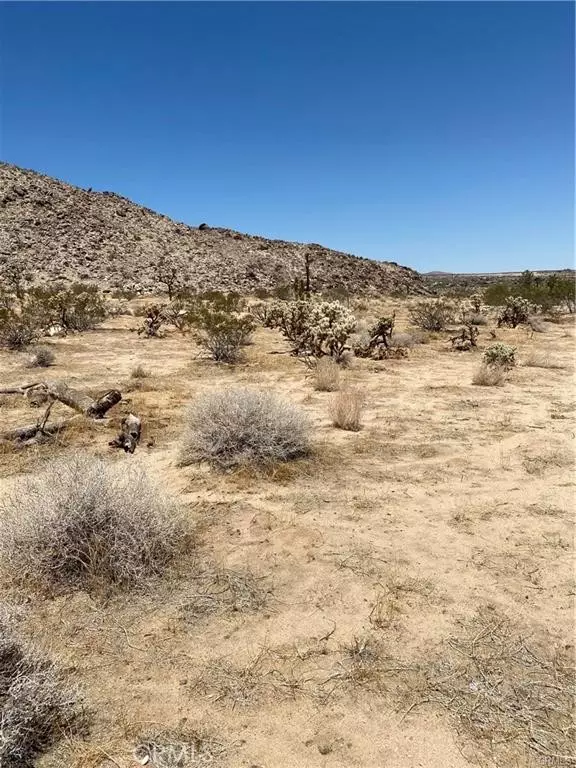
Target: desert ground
(394,600)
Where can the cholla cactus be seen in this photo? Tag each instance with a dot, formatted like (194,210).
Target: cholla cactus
(502,355)
(313,328)
(466,338)
(516,310)
(475,300)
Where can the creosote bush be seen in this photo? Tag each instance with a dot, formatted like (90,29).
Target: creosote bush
(36,706)
(221,325)
(17,332)
(432,314)
(346,410)
(502,355)
(242,427)
(326,375)
(84,523)
(77,307)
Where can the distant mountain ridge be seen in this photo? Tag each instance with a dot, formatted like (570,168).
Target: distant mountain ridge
(65,233)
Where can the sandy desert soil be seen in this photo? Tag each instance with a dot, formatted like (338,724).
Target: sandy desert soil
(350,593)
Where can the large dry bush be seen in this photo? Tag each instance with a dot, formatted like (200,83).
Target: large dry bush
(239,427)
(36,706)
(85,523)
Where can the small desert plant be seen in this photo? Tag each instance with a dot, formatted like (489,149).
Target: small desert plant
(239,427)
(476,302)
(36,706)
(346,410)
(314,328)
(501,355)
(43,357)
(489,376)
(432,314)
(83,522)
(139,372)
(541,360)
(517,310)
(17,332)
(326,375)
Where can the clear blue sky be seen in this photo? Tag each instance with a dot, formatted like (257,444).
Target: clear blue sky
(438,135)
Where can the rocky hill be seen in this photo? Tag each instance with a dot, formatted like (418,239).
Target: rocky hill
(65,233)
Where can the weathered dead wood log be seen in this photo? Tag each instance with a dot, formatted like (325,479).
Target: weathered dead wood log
(58,390)
(81,402)
(129,437)
(21,434)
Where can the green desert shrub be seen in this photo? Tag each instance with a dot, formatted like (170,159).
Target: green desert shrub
(83,522)
(240,427)
(432,314)
(77,307)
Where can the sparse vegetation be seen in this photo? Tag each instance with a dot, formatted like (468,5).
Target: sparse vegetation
(346,410)
(222,326)
(239,427)
(139,372)
(83,524)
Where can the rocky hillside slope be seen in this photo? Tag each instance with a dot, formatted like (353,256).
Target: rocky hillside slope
(65,233)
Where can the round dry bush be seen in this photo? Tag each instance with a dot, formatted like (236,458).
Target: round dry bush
(240,427)
(84,523)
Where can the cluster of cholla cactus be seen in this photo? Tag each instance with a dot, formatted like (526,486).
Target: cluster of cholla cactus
(476,302)
(465,339)
(378,345)
(516,310)
(315,328)
(501,355)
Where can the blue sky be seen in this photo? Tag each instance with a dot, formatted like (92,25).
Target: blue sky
(438,135)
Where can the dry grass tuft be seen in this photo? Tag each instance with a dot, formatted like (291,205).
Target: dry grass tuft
(541,360)
(219,590)
(36,707)
(84,523)
(506,694)
(346,410)
(241,427)
(489,376)
(326,375)
(139,372)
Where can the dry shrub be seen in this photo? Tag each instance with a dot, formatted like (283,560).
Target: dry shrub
(36,707)
(242,427)
(346,410)
(139,372)
(84,523)
(43,357)
(489,376)
(541,360)
(326,375)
